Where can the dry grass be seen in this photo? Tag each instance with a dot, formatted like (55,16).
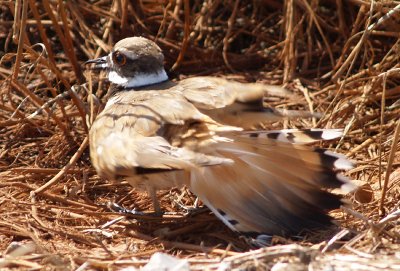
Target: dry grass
(341,56)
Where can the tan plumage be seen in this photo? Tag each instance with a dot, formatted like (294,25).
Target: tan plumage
(191,133)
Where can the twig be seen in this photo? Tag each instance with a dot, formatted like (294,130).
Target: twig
(186,32)
(389,166)
(21,38)
(39,103)
(65,169)
(231,23)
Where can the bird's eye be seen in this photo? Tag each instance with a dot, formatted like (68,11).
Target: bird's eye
(119,58)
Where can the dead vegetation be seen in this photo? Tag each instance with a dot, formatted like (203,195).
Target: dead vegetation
(341,56)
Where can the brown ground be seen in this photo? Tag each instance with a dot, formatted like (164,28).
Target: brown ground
(341,56)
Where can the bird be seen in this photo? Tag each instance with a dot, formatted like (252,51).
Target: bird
(157,134)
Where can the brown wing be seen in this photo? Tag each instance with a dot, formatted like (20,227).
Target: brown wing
(235,103)
(132,132)
(212,92)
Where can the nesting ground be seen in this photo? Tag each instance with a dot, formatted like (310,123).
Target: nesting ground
(342,57)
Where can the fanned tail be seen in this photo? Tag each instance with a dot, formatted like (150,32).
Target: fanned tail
(296,136)
(273,187)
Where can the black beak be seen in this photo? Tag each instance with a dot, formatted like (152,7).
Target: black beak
(100,63)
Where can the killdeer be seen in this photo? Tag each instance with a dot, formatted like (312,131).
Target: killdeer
(158,134)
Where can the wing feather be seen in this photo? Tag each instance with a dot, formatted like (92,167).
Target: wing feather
(128,134)
(235,103)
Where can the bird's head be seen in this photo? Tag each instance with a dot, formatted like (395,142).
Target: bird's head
(133,62)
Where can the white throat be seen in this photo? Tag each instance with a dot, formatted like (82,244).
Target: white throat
(140,80)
